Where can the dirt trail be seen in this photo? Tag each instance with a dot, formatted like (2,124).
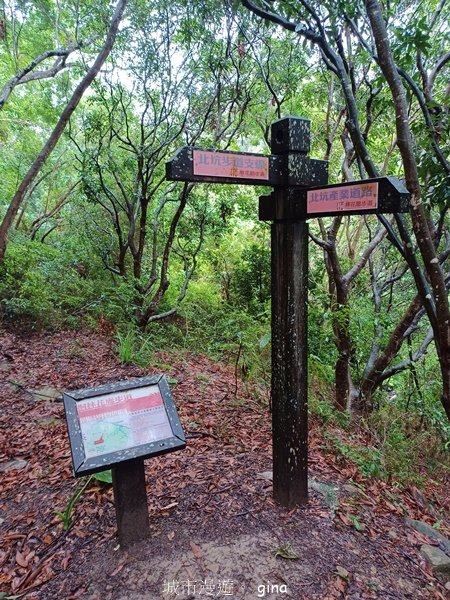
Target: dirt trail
(215,531)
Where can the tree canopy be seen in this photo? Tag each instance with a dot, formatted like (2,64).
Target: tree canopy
(94,99)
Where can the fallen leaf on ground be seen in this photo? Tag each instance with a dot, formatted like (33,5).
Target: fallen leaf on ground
(343,573)
(196,550)
(21,560)
(286,552)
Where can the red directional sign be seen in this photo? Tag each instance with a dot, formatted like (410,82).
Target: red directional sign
(368,196)
(245,168)
(349,198)
(226,164)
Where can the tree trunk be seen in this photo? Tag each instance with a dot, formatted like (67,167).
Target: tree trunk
(340,316)
(373,373)
(59,128)
(441,321)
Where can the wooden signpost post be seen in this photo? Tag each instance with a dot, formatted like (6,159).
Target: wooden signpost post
(300,192)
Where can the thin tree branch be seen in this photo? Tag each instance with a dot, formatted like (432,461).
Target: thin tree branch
(28,73)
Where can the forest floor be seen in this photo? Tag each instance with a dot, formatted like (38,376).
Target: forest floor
(214,528)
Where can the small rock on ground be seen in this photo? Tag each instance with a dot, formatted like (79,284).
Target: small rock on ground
(439,561)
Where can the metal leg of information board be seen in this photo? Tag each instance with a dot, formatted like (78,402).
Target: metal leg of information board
(130,498)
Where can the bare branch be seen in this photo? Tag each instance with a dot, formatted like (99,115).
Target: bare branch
(28,73)
(402,366)
(360,264)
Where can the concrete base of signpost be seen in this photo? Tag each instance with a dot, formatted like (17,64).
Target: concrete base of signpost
(130,498)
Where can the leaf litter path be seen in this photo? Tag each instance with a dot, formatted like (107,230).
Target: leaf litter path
(215,531)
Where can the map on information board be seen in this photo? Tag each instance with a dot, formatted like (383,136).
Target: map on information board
(122,420)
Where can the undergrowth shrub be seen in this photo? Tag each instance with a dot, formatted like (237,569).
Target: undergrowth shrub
(212,326)
(368,459)
(205,324)
(417,393)
(409,447)
(41,288)
(251,282)
(50,287)
(389,444)
(132,347)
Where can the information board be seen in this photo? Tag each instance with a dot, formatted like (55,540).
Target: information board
(121,421)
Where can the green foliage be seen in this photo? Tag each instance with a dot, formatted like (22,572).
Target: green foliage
(43,286)
(323,408)
(417,393)
(368,459)
(402,449)
(321,347)
(211,325)
(133,347)
(205,324)
(406,443)
(40,287)
(252,278)
(356,523)
(415,37)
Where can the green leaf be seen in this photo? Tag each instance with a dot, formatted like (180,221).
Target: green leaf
(264,341)
(67,514)
(104,476)
(342,573)
(356,524)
